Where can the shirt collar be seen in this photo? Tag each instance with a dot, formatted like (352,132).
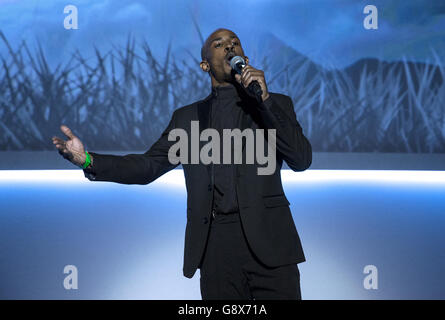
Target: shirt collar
(225,92)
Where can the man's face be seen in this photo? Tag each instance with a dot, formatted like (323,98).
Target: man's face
(222,46)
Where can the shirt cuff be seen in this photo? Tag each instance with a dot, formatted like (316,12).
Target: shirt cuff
(266,105)
(89,175)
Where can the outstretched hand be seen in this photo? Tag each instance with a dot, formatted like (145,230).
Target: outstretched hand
(72,149)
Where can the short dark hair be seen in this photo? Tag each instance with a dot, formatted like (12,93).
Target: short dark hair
(205,45)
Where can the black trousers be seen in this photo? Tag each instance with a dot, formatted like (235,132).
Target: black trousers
(229,270)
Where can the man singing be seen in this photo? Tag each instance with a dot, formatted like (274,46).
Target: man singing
(240,232)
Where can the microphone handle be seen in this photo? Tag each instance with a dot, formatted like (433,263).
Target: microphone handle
(255,88)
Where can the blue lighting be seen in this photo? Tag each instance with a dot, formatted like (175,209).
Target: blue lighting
(127,240)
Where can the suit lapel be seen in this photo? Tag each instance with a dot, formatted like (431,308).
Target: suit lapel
(204,109)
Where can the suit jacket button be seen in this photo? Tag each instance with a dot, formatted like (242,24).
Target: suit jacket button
(205,220)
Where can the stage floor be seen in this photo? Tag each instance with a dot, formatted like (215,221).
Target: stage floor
(127,240)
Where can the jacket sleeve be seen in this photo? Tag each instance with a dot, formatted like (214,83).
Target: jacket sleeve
(278,113)
(134,168)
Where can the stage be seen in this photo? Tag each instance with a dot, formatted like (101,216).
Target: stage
(347,219)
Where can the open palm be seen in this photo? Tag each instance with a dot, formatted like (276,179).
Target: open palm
(71,149)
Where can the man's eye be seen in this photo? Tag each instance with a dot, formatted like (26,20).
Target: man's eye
(217,45)
(235,43)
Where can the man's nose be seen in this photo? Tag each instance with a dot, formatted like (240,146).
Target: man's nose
(229,47)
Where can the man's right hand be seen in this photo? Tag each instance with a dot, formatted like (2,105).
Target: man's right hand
(72,149)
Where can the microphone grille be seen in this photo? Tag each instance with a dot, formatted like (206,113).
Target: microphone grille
(235,62)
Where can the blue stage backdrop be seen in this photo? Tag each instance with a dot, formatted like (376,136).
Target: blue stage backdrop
(367,82)
(114,71)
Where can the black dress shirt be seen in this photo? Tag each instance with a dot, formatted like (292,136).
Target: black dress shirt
(225,113)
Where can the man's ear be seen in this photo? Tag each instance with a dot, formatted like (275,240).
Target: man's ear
(246,59)
(204,66)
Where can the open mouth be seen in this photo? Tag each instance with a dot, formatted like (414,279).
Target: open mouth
(229,57)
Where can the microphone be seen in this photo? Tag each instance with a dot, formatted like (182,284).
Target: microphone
(238,63)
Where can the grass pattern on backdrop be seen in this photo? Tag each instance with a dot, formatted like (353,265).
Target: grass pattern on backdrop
(123,99)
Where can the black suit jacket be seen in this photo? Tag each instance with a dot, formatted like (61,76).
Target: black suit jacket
(264,208)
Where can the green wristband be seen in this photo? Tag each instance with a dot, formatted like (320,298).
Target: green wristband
(87,161)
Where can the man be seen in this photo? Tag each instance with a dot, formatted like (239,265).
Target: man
(240,232)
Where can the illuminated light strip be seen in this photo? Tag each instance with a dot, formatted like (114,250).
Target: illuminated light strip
(378,176)
(39,176)
(176,177)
